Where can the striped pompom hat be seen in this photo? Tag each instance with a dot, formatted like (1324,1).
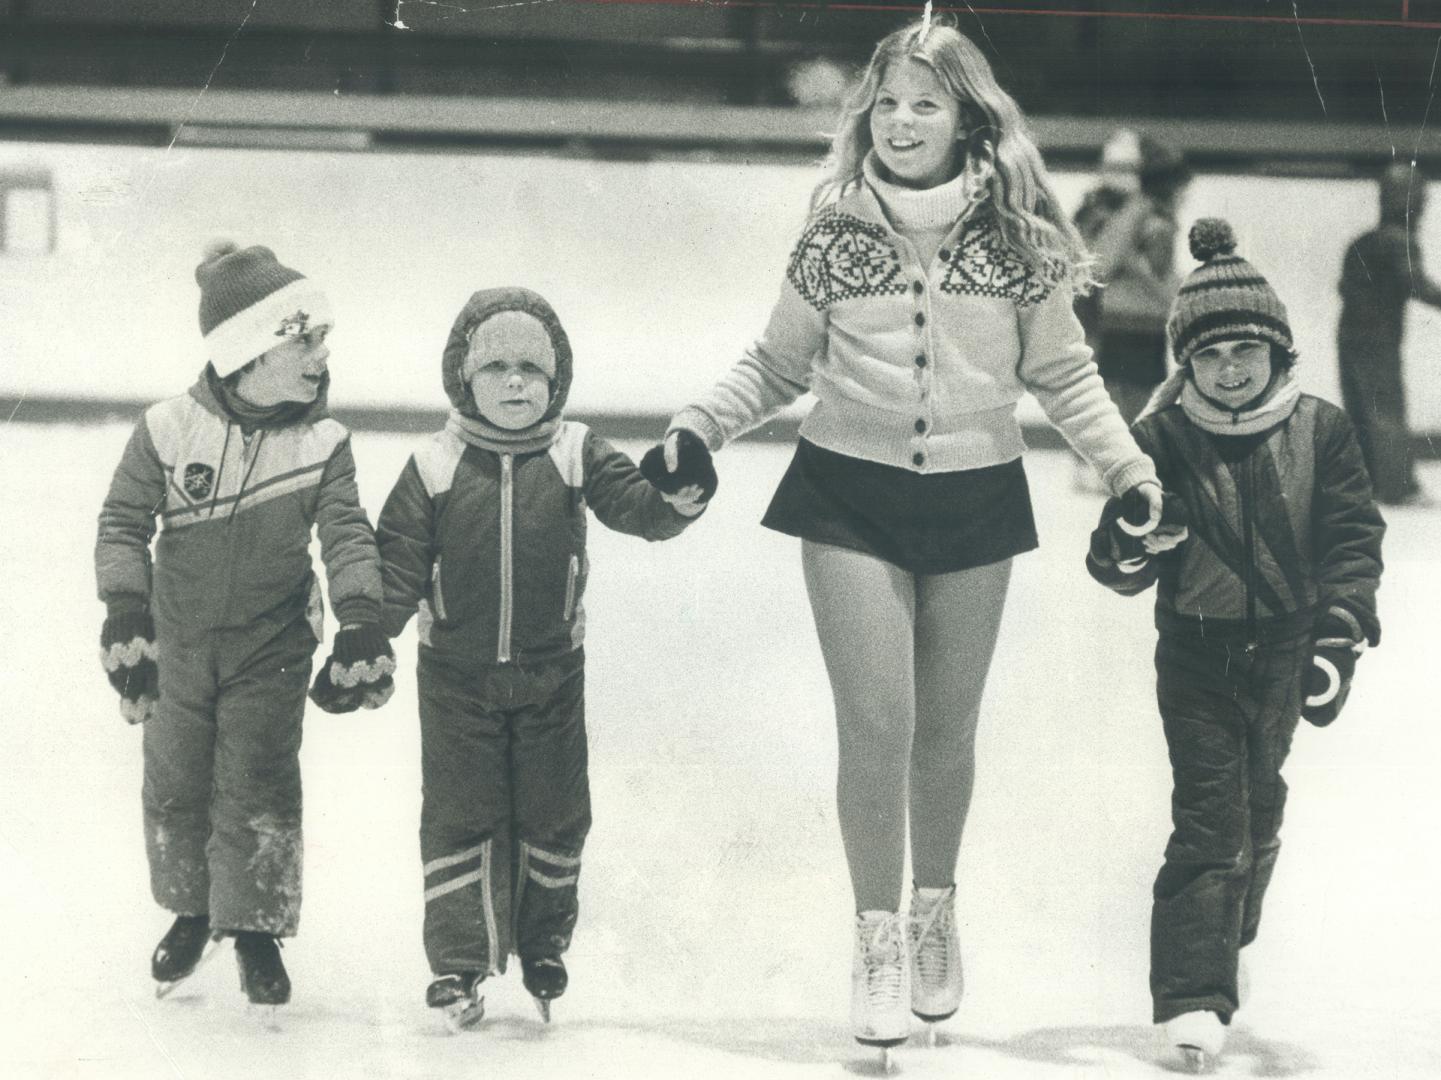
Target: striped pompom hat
(249,304)
(1224,298)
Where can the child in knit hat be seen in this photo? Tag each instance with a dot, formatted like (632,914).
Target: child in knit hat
(484,535)
(210,643)
(1262,611)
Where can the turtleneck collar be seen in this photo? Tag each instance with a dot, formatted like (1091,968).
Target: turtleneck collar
(1278,403)
(911,208)
(478,431)
(252,417)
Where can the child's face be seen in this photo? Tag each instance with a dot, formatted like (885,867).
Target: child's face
(1232,372)
(917,126)
(512,362)
(292,371)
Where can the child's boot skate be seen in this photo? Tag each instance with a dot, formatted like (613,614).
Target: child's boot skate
(545,978)
(180,952)
(1199,1036)
(936,982)
(459,998)
(880,982)
(262,973)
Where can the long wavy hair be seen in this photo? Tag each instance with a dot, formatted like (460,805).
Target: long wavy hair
(1027,211)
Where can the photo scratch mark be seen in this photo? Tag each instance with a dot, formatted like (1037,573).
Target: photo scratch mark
(1416,150)
(1384,116)
(18,403)
(1296,12)
(984,32)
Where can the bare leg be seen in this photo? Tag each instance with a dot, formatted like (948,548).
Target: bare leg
(958,617)
(864,611)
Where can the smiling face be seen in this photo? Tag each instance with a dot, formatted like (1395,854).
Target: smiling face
(511,362)
(292,371)
(917,127)
(1232,373)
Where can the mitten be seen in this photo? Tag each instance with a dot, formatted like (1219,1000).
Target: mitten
(358,672)
(693,466)
(1335,646)
(127,649)
(1122,537)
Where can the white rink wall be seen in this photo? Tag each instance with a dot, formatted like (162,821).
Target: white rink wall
(661,271)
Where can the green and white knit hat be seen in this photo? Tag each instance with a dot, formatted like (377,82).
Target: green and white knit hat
(1224,298)
(249,304)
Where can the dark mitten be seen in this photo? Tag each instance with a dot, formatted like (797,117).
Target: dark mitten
(358,673)
(127,649)
(693,466)
(1335,646)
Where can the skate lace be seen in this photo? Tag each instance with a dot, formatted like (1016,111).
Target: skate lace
(931,933)
(883,957)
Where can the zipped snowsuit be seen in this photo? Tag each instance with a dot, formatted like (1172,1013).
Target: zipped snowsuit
(237,614)
(489,547)
(1283,528)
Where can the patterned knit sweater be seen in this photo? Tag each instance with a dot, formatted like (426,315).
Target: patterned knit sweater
(918,362)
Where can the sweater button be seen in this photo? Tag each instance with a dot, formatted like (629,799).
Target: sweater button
(945,254)
(920,318)
(917,288)
(921,425)
(918,459)
(921,360)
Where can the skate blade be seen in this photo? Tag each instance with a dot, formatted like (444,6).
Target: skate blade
(930,1036)
(163,989)
(464,1015)
(265,1016)
(1195,1059)
(542,1006)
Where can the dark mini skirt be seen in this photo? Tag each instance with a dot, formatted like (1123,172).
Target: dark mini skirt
(935,523)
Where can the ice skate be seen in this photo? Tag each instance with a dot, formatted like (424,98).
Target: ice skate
(545,978)
(1198,1036)
(181,952)
(262,973)
(935,950)
(459,999)
(880,983)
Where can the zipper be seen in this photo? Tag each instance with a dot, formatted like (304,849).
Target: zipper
(436,593)
(1248,498)
(507,568)
(570,583)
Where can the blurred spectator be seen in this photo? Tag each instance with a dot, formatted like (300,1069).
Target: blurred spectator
(1134,248)
(1119,179)
(1381,271)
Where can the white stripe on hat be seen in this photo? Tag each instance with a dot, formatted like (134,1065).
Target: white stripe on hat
(257,329)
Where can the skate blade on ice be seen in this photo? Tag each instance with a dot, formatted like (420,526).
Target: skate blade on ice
(1195,1059)
(542,1006)
(162,989)
(464,1015)
(266,1016)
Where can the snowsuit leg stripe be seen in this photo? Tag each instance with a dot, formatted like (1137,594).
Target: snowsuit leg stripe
(453,860)
(436,891)
(551,882)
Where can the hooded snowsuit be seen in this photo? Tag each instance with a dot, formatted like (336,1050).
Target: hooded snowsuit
(237,614)
(484,535)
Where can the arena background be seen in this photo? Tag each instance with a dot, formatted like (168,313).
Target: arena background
(646,165)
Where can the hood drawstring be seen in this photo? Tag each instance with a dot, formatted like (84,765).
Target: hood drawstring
(220,475)
(259,440)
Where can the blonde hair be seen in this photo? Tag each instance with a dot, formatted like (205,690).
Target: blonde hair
(1027,211)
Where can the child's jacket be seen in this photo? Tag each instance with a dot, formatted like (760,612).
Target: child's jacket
(236,515)
(488,543)
(1282,523)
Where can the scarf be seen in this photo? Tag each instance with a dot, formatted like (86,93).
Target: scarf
(1278,404)
(499,440)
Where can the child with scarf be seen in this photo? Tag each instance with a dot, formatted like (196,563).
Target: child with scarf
(484,535)
(1261,610)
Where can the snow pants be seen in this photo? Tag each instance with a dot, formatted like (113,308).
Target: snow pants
(1229,716)
(222,774)
(505,808)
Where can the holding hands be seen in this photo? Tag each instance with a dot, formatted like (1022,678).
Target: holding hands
(1336,644)
(358,672)
(682,471)
(127,649)
(1143,522)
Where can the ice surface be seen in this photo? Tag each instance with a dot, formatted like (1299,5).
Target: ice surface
(714,933)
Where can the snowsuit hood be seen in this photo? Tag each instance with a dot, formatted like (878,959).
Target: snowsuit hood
(481,306)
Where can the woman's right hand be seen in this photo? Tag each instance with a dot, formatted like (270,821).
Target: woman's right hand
(681,461)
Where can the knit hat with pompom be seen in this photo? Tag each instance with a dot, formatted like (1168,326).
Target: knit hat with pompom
(1224,298)
(249,304)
